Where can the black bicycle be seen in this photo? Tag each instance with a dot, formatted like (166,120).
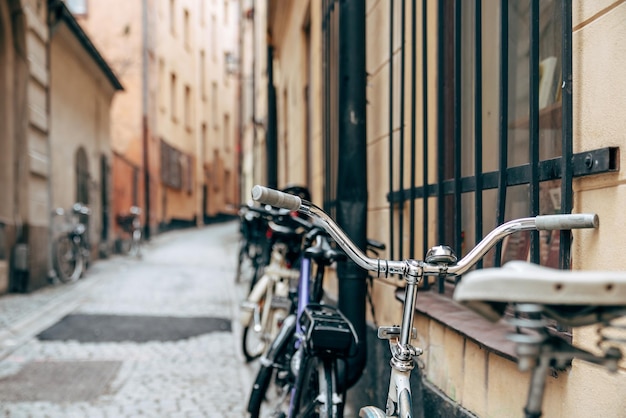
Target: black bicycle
(253,252)
(298,374)
(131,224)
(71,248)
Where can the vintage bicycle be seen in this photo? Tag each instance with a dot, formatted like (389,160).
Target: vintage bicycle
(71,247)
(440,261)
(131,224)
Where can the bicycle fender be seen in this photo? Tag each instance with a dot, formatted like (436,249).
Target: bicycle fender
(261,382)
(371,412)
(283,337)
(253,299)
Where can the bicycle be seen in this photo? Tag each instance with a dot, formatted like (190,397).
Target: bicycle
(439,261)
(270,298)
(131,225)
(71,248)
(252,244)
(571,298)
(299,372)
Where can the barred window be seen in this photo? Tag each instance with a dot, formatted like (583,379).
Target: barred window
(479,124)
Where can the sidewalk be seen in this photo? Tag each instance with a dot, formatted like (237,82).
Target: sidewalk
(184,283)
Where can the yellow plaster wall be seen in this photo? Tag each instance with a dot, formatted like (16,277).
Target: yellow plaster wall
(481,381)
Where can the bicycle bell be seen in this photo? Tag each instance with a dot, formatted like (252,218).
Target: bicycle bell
(440,254)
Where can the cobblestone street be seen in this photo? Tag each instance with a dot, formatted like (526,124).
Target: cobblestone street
(183,274)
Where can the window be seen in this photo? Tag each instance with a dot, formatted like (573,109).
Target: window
(173,88)
(214,107)
(213,38)
(171,167)
(186,30)
(202,75)
(162,82)
(204,145)
(476,139)
(226,132)
(81,167)
(173,17)
(77,7)
(188,109)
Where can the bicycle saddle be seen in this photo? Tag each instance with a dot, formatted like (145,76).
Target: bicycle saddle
(573,298)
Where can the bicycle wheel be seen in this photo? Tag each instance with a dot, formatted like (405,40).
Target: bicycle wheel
(68,259)
(246,269)
(255,336)
(274,400)
(273,390)
(316,389)
(135,244)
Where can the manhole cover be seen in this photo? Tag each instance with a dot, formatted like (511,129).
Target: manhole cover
(119,328)
(59,381)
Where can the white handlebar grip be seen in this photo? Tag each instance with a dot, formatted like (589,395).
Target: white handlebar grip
(573,221)
(275,198)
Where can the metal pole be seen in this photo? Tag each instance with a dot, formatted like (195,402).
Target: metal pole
(352,170)
(144,105)
(272,121)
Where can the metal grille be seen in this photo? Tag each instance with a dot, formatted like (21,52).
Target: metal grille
(476,170)
(480,124)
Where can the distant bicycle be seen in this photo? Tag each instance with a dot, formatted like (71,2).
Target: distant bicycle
(71,248)
(131,224)
(254,248)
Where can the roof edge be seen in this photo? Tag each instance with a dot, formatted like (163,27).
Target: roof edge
(58,11)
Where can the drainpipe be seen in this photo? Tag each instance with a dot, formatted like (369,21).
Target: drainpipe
(144,105)
(352,170)
(52,274)
(272,124)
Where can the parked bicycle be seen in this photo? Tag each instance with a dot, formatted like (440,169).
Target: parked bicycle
(131,225)
(257,237)
(71,247)
(252,244)
(536,293)
(271,298)
(299,372)
(440,261)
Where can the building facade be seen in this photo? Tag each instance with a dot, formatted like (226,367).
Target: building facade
(473,105)
(175,130)
(36,37)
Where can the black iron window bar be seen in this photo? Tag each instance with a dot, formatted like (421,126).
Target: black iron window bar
(449,187)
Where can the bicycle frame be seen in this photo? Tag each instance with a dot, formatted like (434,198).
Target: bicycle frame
(271,284)
(439,262)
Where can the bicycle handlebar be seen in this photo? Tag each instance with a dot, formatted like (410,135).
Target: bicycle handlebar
(415,267)
(276,198)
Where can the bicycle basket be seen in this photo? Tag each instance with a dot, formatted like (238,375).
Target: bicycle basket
(328,331)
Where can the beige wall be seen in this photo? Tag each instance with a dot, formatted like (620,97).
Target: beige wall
(487,384)
(298,66)
(478,379)
(80,100)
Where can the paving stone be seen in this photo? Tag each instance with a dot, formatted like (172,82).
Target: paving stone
(182,274)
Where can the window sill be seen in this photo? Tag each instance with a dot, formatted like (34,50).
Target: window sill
(487,335)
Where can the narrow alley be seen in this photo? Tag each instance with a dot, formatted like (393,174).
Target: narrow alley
(155,337)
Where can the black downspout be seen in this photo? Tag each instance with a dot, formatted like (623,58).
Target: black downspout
(352,170)
(272,127)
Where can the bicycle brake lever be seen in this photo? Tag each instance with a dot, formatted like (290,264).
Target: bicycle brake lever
(391,332)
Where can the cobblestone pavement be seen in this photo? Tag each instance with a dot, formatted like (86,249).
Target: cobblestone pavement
(185,273)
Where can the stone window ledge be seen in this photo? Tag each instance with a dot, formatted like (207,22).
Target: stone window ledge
(487,335)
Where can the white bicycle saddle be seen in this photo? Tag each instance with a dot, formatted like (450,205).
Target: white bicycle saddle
(573,298)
